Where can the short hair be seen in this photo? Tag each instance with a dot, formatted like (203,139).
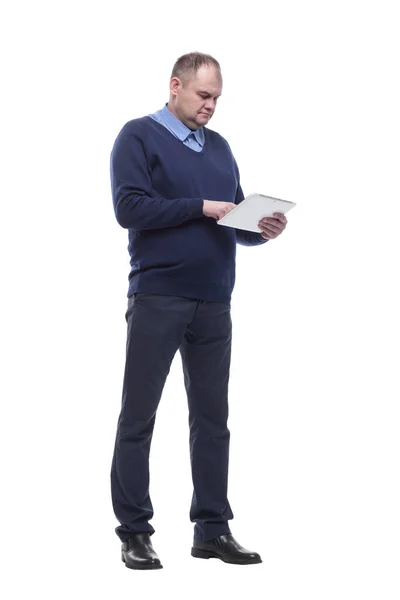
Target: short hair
(187,65)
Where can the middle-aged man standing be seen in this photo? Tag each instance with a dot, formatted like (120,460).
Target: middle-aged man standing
(172,179)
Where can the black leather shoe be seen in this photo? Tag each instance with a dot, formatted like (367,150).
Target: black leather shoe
(227,549)
(138,553)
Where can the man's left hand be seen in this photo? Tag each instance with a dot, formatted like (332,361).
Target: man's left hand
(272,226)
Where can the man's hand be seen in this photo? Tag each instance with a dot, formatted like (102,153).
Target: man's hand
(217,210)
(272,226)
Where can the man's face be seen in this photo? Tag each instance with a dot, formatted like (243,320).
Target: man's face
(195,103)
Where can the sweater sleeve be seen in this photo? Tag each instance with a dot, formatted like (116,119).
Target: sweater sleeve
(243,237)
(135,205)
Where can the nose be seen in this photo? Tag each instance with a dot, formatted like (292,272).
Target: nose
(209,105)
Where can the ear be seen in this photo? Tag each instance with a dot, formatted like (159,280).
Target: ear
(175,85)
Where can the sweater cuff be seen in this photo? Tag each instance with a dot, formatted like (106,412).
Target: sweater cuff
(195,207)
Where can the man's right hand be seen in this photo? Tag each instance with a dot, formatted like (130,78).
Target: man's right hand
(217,210)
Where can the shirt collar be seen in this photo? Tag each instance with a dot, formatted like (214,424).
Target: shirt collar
(179,128)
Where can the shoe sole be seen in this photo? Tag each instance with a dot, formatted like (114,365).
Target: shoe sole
(140,567)
(197,553)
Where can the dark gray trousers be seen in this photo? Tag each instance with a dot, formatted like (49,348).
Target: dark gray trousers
(159,325)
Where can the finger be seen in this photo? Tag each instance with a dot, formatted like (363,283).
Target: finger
(269,228)
(272,221)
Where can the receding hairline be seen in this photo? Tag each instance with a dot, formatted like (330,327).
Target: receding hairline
(187,66)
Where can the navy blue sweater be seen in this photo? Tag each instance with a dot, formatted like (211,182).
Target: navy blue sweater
(158,187)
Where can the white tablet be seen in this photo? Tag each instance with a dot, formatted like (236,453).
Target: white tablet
(252,209)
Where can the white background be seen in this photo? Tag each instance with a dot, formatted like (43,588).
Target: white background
(310,109)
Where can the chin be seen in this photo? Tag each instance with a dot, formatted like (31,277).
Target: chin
(202,120)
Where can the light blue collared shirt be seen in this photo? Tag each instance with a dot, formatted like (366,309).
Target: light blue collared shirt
(194,139)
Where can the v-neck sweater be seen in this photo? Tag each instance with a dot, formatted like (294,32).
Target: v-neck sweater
(158,188)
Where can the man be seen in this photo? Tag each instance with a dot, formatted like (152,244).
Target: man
(172,179)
